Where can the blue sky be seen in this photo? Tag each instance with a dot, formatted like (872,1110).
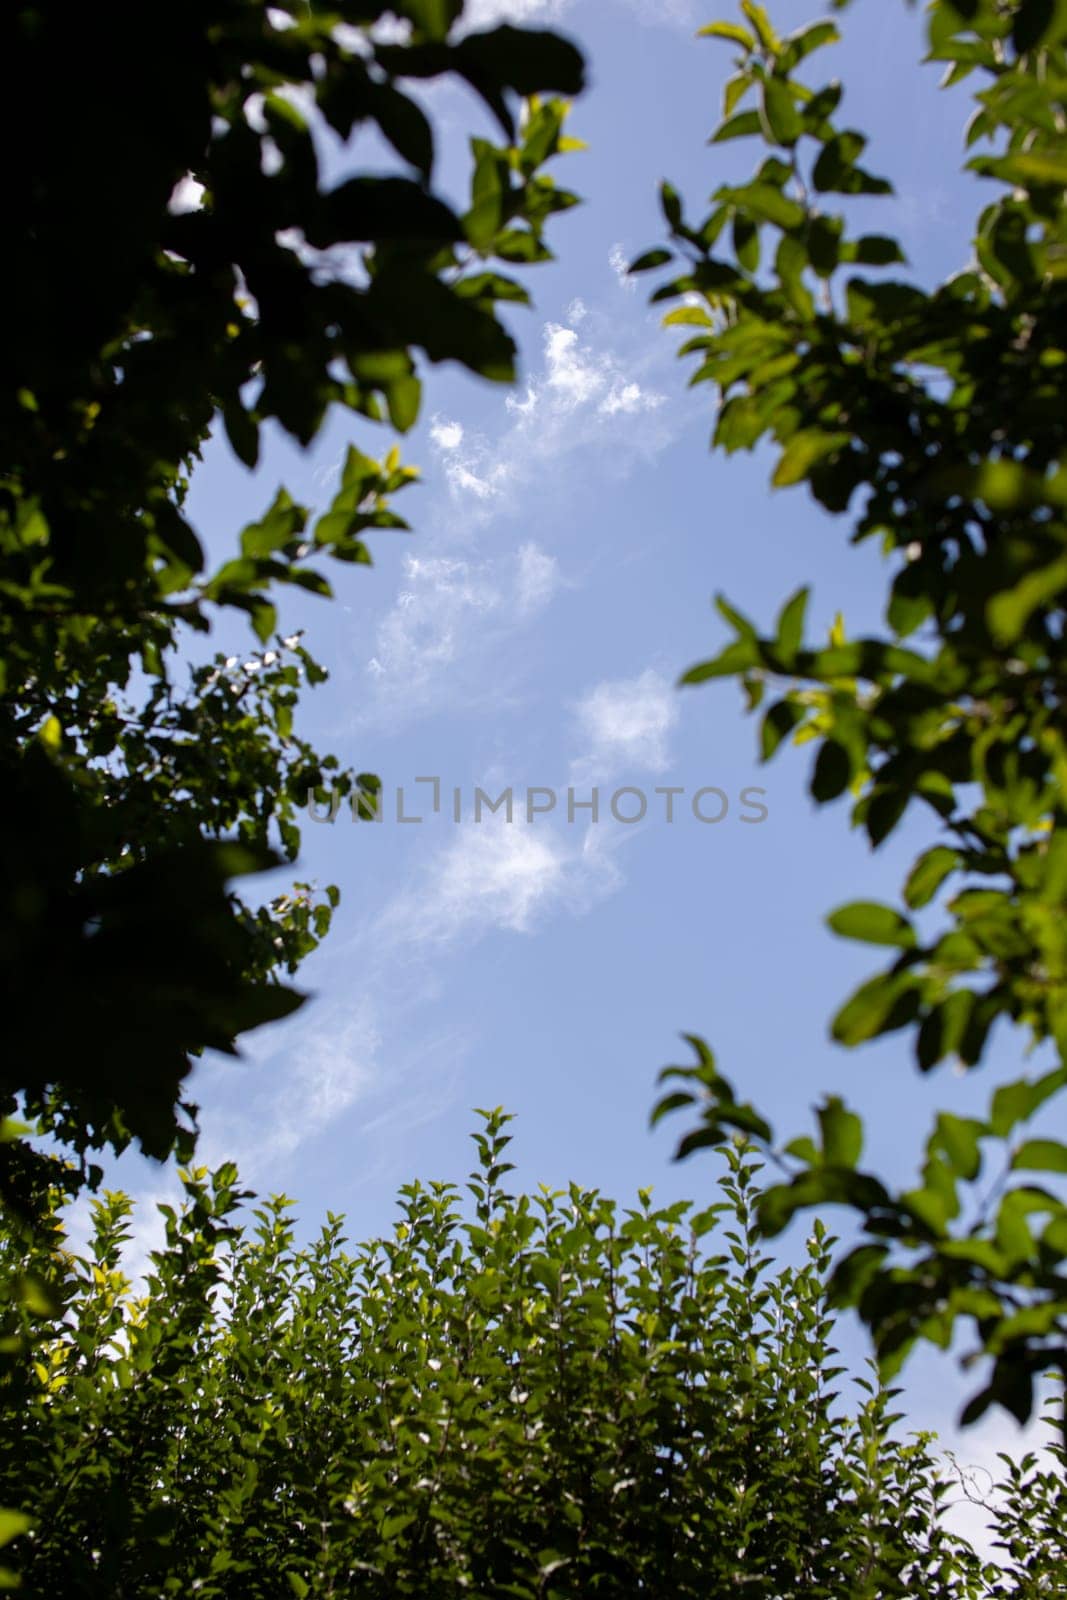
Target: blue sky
(568,537)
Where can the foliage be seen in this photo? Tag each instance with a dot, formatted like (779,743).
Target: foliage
(137,321)
(1027,1521)
(543,1396)
(934,420)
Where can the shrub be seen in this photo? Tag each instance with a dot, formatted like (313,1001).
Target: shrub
(546,1395)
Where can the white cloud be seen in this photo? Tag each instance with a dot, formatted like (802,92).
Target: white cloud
(573,373)
(619,264)
(507,874)
(465,481)
(574,376)
(564,407)
(624,725)
(421,632)
(628,397)
(537,580)
(487,13)
(307,1077)
(449,613)
(468,470)
(523,407)
(329,1069)
(499,875)
(446,435)
(453,606)
(668,13)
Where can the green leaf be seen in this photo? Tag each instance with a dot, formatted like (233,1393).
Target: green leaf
(778,723)
(1032,21)
(746,243)
(671,203)
(1027,168)
(740,126)
(528,60)
(735,658)
(928,874)
(264,619)
(875,250)
(12,1523)
(872,924)
(402,397)
(1010,612)
(242,432)
(731,31)
(824,244)
(782,117)
(1040,1155)
(959,1138)
(649,259)
(799,45)
(835,170)
(790,629)
(800,454)
(759,19)
(764,202)
(405,125)
(882,1005)
(832,773)
(842,1133)
(669,1103)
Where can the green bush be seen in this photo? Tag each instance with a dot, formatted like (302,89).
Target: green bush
(537,1396)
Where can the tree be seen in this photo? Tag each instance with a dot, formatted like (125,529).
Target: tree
(934,421)
(544,1396)
(137,321)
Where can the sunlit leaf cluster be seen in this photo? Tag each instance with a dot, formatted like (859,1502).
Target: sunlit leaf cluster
(933,419)
(543,1395)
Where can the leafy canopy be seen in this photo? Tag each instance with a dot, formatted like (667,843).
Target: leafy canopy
(540,1396)
(934,421)
(194,243)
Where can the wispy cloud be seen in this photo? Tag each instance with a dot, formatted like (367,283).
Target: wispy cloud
(504,874)
(487,13)
(508,873)
(446,435)
(575,378)
(537,579)
(624,725)
(499,876)
(619,262)
(577,398)
(450,612)
(423,630)
(456,604)
(330,1070)
(309,1073)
